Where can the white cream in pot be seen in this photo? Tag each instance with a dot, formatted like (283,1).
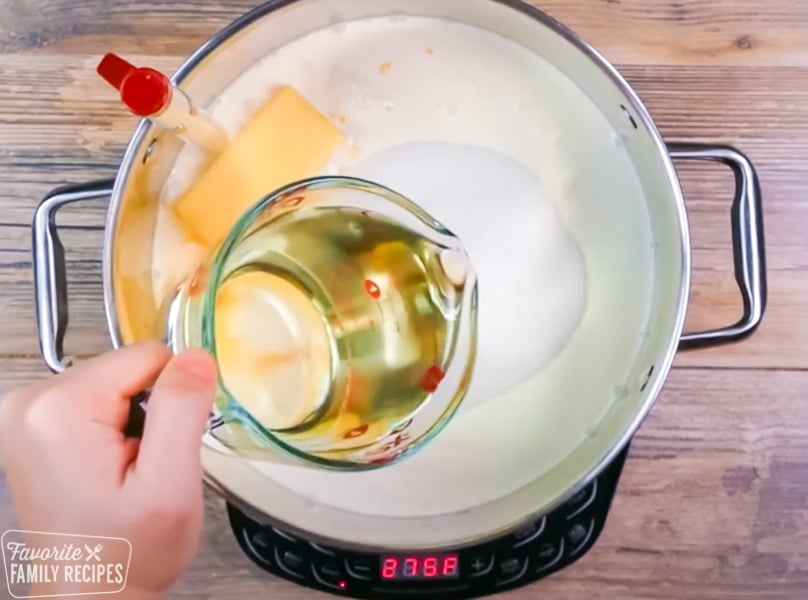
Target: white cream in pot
(458,86)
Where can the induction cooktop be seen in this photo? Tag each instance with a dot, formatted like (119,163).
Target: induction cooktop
(532,552)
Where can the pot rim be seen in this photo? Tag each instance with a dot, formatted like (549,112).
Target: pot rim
(639,113)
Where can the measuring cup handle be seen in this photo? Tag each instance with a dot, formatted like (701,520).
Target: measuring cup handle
(747,243)
(50,269)
(50,289)
(136,419)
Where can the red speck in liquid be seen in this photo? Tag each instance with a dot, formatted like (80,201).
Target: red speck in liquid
(372,289)
(342,584)
(356,432)
(432,378)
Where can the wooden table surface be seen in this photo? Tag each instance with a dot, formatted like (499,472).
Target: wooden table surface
(714,498)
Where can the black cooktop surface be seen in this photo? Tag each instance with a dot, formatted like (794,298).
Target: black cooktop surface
(532,552)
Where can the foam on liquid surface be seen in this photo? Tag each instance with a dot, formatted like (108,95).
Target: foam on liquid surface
(425,104)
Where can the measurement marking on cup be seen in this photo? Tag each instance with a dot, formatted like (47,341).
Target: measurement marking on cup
(391,444)
(372,289)
(432,379)
(403,426)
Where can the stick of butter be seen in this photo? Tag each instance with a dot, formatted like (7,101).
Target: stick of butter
(287,140)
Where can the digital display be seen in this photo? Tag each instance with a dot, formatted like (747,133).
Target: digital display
(429,566)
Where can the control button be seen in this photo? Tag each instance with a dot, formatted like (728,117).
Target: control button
(481,565)
(259,546)
(322,549)
(287,536)
(361,568)
(261,540)
(290,562)
(332,569)
(579,535)
(528,533)
(549,555)
(582,500)
(511,569)
(509,566)
(330,575)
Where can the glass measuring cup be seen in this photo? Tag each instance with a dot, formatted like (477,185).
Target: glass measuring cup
(342,318)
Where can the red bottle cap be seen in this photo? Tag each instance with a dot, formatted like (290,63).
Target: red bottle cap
(144,91)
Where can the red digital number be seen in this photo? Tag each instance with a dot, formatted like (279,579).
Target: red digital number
(450,566)
(411,567)
(390,568)
(430,567)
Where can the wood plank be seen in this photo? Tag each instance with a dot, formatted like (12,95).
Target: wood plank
(721,32)
(713,503)
(692,32)
(147,27)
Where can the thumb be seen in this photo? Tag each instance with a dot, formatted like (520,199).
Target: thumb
(176,417)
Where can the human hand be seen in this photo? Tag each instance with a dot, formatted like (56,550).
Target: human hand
(71,469)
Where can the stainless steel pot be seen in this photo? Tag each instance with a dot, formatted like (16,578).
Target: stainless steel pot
(132,314)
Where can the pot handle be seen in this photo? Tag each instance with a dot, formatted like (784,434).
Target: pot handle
(747,242)
(50,272)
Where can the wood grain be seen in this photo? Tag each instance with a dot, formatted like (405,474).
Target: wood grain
(690,32)
(659,32)
(714,499)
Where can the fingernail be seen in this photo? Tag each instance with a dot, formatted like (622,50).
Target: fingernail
(197,363)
